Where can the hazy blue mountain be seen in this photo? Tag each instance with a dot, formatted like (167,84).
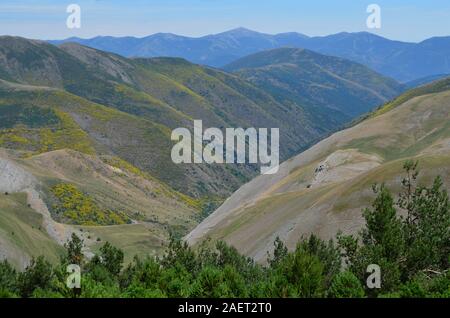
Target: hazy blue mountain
(428,57)
(400,60)
(425,80)
(213,50)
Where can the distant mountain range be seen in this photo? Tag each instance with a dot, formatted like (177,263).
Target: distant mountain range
(402,61)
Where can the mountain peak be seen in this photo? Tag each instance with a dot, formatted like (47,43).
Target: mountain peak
(292,34)
(165,35)
(241,31)
(436,40)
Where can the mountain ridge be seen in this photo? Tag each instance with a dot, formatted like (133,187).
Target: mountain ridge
(404,61)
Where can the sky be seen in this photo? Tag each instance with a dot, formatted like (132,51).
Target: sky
(405,20)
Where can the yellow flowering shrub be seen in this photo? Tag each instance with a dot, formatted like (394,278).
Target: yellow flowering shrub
(73,206)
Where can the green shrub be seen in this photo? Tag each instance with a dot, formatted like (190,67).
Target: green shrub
(346,285)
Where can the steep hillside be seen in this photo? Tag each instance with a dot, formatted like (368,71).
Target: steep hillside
(318,81)
(36,191)
(325,188)
(21,232)
(403,61)
(135,89)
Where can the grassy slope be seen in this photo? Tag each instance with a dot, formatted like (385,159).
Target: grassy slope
(21,232)
(135,239)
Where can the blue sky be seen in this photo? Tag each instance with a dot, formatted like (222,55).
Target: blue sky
(407,20)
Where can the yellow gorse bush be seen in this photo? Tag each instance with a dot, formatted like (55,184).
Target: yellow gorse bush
(78,208)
